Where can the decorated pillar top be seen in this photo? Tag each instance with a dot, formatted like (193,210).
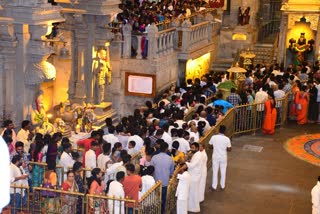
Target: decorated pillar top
(301,6)
(33,12)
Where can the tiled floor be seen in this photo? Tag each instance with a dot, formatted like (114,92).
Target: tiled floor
(267,182)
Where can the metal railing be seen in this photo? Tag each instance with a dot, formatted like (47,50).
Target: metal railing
(245,119)
(55,201)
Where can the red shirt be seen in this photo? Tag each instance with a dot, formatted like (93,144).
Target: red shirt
(86,144)
(131,185)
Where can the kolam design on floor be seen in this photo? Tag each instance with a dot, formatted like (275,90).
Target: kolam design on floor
(305,147)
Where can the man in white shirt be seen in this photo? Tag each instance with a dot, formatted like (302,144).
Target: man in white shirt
(195,169)
(111,138)
(184,145)
(315,198)
(161,134)
(66,159)
(203,178)
(23,135)
(90,158)
(5,174)
(260,98)
(116,190)
(104,158)
(182,192)
(221,145)
(18,178)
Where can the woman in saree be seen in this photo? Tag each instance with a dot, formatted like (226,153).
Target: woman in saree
(269,122)
(37,175)
(96,187)
(69,205)
(50,203)
(301,99)
(292,105)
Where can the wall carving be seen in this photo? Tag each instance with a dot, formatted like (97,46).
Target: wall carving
(312,18)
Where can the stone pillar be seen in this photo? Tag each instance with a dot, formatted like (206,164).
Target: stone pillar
(209,18)
(317,43)
(127,29)
(186,35)
(8,65)
(282,44)
(152,41)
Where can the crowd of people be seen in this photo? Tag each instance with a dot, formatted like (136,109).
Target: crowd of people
(139,14)
(162,139)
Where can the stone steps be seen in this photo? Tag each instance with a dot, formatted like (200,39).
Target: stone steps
(221,65)
(103,111)
(264,53)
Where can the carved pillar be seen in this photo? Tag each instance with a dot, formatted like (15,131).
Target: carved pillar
(139,52)
(282,49)
(7,66)
(186,35)
(209,18)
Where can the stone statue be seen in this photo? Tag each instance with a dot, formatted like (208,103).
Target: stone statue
(101,71)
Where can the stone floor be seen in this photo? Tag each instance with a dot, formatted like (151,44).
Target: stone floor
(267,182)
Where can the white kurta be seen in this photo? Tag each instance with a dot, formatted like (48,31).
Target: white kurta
(203,177)
(23,136)
(91,161)
(139,142)
(66,161)
(102,160)
(147,183)
(315,198)
(116,190)
(110,138)
(184,145)
(194,168)
(182,192)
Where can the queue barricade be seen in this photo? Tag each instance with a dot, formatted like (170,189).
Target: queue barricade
(101,204)
(39,169)
(171,201)
(150,202)
(19,200)
(55,201)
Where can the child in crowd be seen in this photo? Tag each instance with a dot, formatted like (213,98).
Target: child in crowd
(131,149)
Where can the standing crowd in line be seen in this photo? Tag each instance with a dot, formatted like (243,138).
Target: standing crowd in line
(158,132)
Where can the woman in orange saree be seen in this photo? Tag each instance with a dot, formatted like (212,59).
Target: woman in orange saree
(292,105)
(269,122)
(301,99)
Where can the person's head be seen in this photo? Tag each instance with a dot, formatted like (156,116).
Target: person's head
(222,129)
(95,135)
(77,167)
(111,129)
(94,145)
(164,147)
(118,146)
(19,147)
(130,169)
(67,147)
(16,160)
(131,144)
(175,145)
(195,147)
(96,175)
(7,132)
(26,125)
(219,96)
(108,121)
(106,148)
(7,139)
(8,124)
(126,159)
(233,90)
(120,176)
(147,170)
(159,133)
(70,176)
